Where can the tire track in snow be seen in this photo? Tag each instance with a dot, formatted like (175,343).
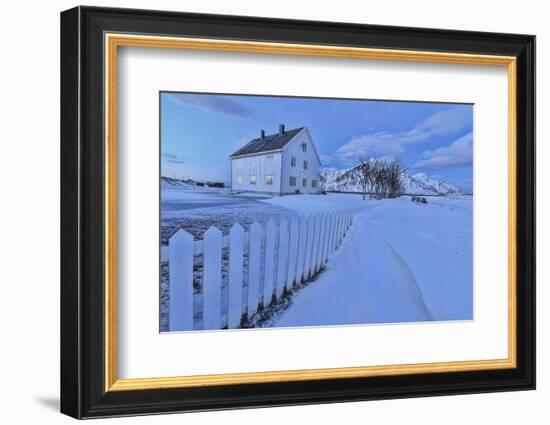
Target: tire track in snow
(406,272)
(366,281)
(389,278)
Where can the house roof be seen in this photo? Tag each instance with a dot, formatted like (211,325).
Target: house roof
(268,143)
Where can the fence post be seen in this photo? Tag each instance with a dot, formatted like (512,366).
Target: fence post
(292,252)
(324,255)
(212,278)
(180,264)
(283,257)
(330,235)
(269,264)
(314,241)
(235,297)
(345,226)
(301,250)
(321,248)
(340,227)
(319,243)
(336,229)
(309,245)
(254,251)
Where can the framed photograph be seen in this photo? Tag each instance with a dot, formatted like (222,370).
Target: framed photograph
(261,212)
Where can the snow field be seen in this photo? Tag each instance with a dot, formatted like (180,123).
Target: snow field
(402,261)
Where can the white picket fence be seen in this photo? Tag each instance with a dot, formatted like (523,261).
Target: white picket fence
(293,251)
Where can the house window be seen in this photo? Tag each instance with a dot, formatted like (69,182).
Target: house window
(314,183)
(268,179)
(292,181)
(293,161)
(252,179)
(304,147)
(305,165)
(304,182)
(239,179)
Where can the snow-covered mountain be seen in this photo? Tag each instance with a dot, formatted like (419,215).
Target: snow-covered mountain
(421,184)
(424,185)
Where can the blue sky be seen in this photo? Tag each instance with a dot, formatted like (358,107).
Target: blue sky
(200,131)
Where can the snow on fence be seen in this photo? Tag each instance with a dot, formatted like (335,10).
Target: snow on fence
(293,251)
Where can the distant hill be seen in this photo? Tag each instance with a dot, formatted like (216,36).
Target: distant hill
(170,183)
(420,184)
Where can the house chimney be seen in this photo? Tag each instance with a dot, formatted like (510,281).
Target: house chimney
(262,134)
(281,128)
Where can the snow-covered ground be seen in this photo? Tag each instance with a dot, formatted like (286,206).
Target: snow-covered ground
(194,209)
(402,262)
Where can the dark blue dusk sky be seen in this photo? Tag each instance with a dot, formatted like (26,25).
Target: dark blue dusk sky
(200,131)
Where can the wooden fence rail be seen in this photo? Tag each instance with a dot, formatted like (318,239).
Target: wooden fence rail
(265,262)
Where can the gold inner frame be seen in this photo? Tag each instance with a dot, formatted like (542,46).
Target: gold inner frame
(113,41)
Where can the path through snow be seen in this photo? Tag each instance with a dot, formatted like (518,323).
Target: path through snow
(401,262)
(366,282)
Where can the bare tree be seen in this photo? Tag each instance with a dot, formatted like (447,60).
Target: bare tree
(384,179)
(396,170)
(363,172)
(374,177)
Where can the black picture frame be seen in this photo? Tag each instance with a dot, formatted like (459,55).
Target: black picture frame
(83,392)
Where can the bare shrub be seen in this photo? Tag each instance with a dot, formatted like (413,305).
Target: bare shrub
(381,179)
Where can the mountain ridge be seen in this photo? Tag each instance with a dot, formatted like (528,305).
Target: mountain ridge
(418,184)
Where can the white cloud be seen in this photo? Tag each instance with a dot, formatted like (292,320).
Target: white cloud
(221,104)
(326,159)
(172,158)
(447,122)
(459,152)
(392,144)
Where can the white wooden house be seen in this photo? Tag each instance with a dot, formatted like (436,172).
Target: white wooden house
(283,163)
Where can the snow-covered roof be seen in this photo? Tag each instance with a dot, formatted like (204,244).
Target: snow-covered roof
(267,143)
